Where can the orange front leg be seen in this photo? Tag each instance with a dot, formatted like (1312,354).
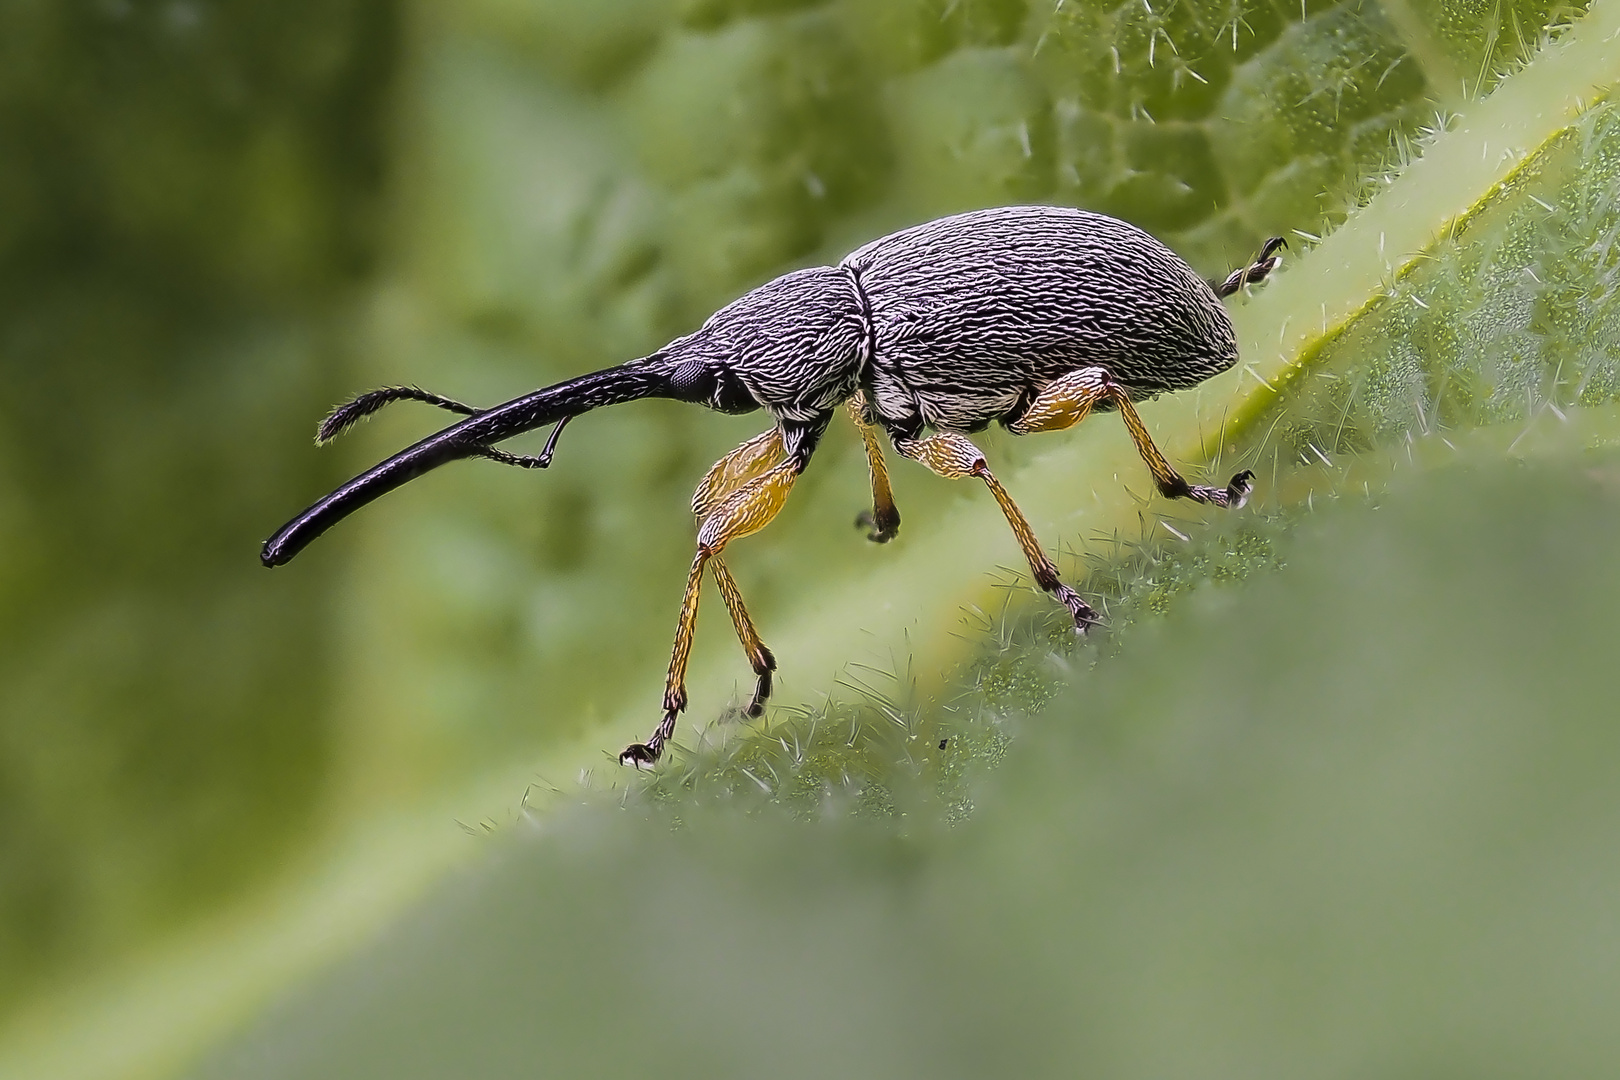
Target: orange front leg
(749,508)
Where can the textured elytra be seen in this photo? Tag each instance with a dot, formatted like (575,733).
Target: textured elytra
(972,313)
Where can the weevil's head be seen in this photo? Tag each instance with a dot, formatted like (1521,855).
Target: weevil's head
(793,346)
(699,373)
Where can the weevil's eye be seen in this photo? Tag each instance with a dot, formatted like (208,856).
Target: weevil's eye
(692,381)
(716,387)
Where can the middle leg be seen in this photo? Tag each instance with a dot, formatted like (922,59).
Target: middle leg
(954,456)
(884,517)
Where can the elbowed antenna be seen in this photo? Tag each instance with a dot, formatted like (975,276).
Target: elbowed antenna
(470,438)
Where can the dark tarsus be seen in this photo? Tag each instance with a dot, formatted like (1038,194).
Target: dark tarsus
(1028,316)
(1255,271)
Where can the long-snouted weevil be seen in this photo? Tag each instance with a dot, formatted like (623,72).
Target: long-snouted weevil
(1030,316)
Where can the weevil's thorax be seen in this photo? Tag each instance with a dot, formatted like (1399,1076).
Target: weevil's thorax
(794,346)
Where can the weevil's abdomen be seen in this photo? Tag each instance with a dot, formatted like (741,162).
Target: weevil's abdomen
(969,312)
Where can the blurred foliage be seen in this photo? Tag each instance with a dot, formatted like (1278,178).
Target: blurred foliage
(199,258)
(1353,819)
(188,197)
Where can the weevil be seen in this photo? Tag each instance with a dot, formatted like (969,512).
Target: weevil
(1028,316)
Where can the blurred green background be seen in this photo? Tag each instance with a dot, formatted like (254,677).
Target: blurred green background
(216,220)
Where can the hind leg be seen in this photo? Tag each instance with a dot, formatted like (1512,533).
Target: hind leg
(1070,399)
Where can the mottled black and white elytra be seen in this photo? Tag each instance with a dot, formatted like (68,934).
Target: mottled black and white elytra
(1029,316)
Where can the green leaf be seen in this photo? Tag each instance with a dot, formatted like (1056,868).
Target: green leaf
(497,626)
(188,200)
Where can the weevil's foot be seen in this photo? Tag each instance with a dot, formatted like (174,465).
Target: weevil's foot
(884,527)
(644,755)
(1238,491)
(1231,497)
(1268,261)
(1085,616)
(762,686)
(1255,271)
(762,693)
(641,755)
